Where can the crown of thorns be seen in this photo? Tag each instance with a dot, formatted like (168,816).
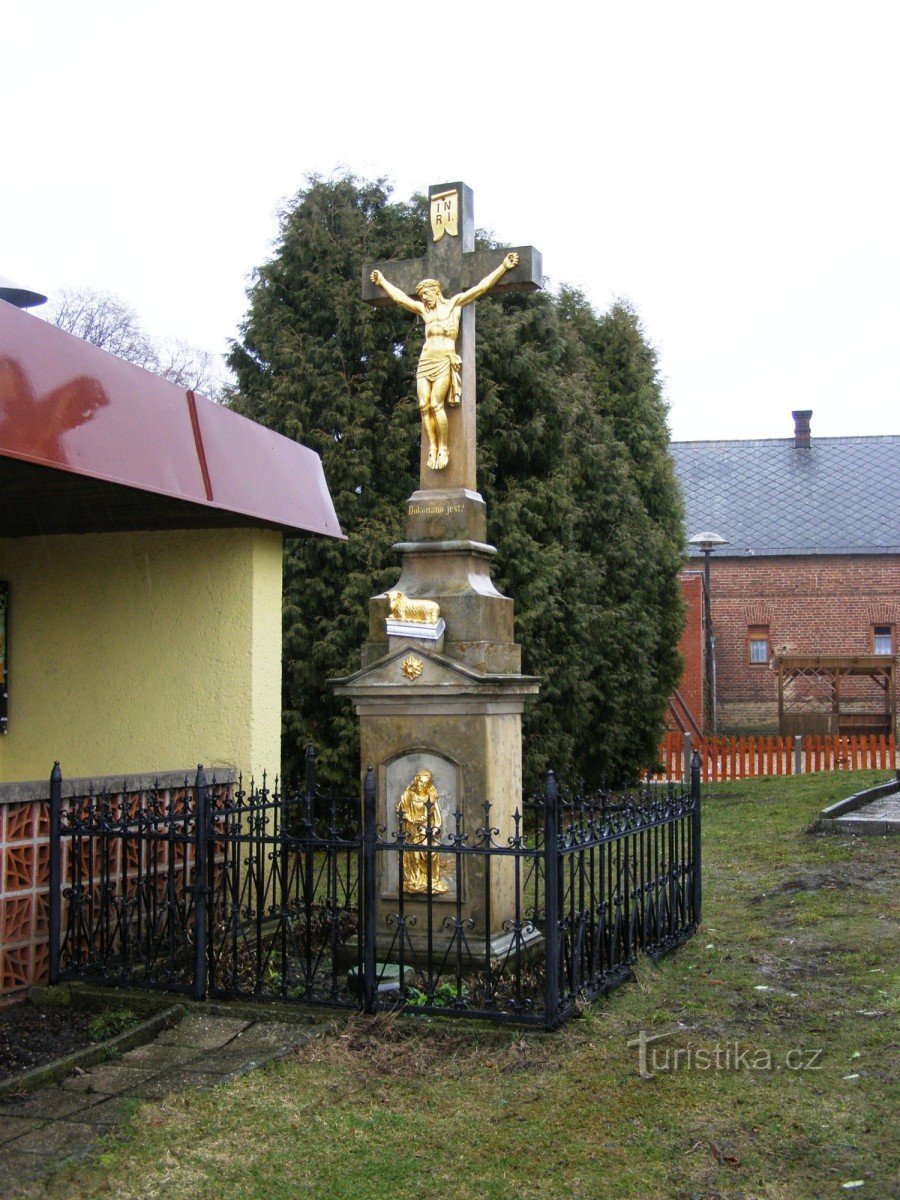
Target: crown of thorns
(427,283)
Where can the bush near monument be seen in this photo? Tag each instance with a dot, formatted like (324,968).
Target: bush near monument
(581,498)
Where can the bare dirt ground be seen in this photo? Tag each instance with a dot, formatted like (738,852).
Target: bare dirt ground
(31,1036)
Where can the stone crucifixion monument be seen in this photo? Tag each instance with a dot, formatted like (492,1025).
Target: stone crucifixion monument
(440,693)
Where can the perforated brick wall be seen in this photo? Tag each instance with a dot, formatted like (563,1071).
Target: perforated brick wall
(25,870)
(25,866)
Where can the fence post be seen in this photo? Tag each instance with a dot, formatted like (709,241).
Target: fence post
(370,983)
(697,881)
(310,769)
(55,913)
(686,771)
(201,830)
(551,900)
(798,754)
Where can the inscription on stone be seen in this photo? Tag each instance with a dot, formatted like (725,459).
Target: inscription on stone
(444,214)
(435,510)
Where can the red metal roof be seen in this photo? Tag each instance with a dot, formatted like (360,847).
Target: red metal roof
(70,406)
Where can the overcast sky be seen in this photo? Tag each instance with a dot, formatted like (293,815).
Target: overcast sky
(730,168)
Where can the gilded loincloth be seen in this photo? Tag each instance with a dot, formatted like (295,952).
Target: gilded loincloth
(435,364)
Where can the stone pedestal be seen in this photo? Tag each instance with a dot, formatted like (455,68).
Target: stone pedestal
(454,709)
(446,558)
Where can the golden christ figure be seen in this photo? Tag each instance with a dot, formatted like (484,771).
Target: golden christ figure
(438,379)
(420,824)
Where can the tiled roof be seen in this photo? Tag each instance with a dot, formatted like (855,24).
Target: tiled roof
(839,496)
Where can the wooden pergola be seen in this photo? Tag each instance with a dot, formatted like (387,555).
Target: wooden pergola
(813,696)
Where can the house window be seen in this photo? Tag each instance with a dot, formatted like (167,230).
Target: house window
(883,639)
(758,644)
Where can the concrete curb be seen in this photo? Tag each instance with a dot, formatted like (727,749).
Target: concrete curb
(838,817)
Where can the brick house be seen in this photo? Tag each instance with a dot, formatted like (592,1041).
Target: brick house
(804,599)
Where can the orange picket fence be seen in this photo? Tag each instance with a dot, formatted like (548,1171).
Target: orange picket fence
(748,757)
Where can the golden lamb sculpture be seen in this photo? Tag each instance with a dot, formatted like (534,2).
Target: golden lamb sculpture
(403,608)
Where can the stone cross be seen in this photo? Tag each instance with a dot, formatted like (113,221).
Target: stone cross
(452,259)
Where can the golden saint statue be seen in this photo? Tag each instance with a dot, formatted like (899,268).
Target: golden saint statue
(420,823)
(438,380)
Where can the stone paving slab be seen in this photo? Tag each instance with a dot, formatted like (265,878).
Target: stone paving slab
(160,1056)
(220,1062)
(109,1112)
(48,1102)
(82,1082)
(203,1033)
(41,1129)
(56,1137)
(878,817)
(177,1081)
(881,810)
(111,1079)
(13,1127)
(269,1034)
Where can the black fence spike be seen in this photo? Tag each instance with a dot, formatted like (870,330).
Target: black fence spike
(551,791)
(309,776)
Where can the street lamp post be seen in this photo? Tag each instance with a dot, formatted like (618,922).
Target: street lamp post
(706,543)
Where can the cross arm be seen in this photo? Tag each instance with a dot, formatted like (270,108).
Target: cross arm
(404,273)
(528,276)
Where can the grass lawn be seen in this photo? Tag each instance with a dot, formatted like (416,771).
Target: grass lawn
(789,979)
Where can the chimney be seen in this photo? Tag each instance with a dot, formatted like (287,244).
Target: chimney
(801,428)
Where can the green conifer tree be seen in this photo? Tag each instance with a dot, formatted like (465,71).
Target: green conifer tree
(582,502)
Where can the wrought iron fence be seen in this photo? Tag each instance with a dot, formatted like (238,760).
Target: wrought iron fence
(221,890)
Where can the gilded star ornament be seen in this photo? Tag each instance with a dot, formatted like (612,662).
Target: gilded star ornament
(412,667)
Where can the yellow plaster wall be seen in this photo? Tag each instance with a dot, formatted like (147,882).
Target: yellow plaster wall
(140,652)
(265,691)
